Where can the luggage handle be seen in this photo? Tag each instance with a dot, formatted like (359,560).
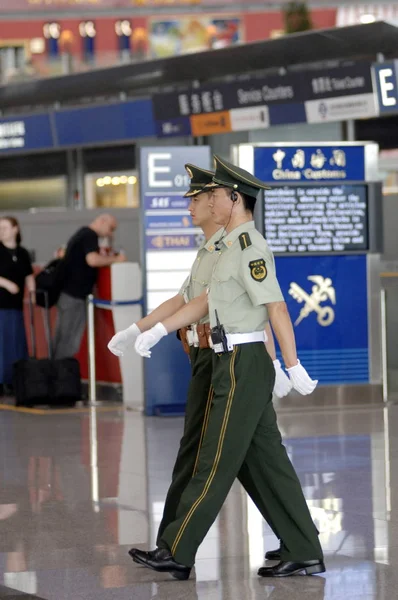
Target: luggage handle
(46,321)
(32,331)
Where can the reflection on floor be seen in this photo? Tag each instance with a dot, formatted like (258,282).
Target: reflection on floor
(78,490)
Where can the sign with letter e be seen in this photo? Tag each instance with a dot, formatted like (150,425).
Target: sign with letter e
(170,245)
(385,77)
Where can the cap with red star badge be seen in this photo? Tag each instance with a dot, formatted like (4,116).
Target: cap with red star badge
(199,177)
(237,179)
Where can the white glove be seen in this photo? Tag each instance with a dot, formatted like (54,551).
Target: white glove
(283,385)
(148,339)
(123,340)
(300,379)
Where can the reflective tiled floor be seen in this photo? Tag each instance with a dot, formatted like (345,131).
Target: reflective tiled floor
(77,490)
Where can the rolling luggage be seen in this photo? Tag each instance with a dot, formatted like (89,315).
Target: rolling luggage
(46,380)
(49,283)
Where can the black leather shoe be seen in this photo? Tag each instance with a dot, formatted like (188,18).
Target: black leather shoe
(147,553)
(287,568)
(273,554)
(160,560)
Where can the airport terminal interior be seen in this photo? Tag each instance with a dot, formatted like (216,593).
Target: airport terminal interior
(107,107)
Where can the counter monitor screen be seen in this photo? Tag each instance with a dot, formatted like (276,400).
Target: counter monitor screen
(322,218)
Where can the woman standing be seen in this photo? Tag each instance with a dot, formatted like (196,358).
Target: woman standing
(15,271)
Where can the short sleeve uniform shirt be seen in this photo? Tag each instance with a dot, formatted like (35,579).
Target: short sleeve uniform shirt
(243,281)
(199,278)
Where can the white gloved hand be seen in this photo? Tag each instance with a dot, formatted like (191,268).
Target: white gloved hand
(300,379)
(123,340)
(148,339)
(283,385)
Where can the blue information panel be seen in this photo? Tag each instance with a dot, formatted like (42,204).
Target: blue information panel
(327,301)
(98,124)
(299,164)
(78,126)
(19,134)
(169,243)
(316,218)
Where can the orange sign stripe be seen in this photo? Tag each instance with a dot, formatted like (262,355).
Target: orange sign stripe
(209,123)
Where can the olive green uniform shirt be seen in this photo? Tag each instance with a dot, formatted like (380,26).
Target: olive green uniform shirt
(199,278)
(243,281)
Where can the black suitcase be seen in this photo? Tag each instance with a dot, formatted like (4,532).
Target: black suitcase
(49,283)
(46,381)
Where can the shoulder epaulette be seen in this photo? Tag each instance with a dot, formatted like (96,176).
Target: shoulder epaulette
(245,241)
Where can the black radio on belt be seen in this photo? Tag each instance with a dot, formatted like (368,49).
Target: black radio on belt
(219,338)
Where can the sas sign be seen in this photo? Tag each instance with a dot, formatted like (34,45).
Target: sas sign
(386,85)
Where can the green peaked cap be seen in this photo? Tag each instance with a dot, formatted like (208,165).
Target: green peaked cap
(200,178)
(230,176)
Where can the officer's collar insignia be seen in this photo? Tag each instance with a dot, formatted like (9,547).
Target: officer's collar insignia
(258,270)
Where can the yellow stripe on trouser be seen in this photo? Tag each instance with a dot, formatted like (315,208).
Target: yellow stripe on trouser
(204,426)
(217,457)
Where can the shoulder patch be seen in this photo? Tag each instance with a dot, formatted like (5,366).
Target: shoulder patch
(258,270)
(245,241)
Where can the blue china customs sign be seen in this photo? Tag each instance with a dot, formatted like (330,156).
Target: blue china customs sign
(302,163)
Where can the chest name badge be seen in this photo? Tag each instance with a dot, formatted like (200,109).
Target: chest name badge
(258,270)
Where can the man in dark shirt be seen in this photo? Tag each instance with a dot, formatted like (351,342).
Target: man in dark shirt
(82,259)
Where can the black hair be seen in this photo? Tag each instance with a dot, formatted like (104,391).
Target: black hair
(249,202)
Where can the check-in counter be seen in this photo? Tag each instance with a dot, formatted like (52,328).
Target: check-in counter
(120,282)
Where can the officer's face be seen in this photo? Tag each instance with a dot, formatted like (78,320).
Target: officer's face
(221,205)
(199,209)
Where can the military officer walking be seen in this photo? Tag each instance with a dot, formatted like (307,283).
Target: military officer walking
(195,340)
(242,438)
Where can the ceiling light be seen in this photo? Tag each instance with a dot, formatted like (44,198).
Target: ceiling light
(115,180)
(107,180)
(132,180)
(368,18)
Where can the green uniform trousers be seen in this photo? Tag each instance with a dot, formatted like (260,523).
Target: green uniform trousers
(199,400)
(196,417)
(242,440)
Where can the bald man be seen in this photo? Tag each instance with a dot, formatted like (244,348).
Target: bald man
(82,259)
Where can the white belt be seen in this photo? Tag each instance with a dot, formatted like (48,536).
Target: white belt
(235,339)
(245,338)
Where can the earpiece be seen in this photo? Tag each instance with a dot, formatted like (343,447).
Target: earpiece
(234,196)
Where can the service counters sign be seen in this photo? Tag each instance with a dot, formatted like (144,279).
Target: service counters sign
(169,243)
(310,96)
